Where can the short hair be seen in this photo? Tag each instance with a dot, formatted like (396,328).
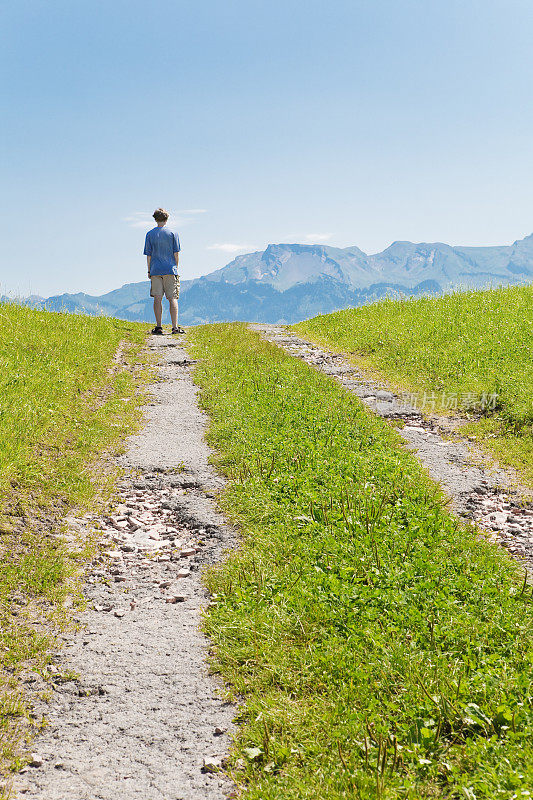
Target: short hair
(160,215)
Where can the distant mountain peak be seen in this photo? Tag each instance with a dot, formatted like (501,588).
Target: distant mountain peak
(528,240)
(290,282)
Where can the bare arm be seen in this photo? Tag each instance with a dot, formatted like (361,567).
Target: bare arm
(177,259)
(148,259)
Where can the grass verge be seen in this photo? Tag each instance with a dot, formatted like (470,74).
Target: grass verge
(469,351)
(68,393)
(381,649)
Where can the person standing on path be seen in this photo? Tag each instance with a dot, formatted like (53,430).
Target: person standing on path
(162,248)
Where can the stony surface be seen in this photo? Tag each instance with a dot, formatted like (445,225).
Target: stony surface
(133,712)
(477,490)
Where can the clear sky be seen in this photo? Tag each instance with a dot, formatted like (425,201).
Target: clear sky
(348,122)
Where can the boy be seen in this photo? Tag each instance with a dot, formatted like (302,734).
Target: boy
(161,249)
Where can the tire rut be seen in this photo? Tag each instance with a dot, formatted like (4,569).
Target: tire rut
(477,491)
(133,711)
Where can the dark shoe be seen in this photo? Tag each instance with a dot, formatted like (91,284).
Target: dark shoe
(157,330)
(178,330)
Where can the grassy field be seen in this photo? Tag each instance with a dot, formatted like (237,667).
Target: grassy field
(62,403)
(469,351)
(381,650)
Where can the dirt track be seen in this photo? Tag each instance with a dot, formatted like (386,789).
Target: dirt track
(476,489)
(144,714)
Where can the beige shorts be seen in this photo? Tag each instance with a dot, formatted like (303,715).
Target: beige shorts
(168,285)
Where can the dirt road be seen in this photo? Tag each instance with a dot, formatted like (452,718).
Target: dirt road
(144,719)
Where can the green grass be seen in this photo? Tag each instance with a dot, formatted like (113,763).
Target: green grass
(380,649)
(452,351)
(63,403)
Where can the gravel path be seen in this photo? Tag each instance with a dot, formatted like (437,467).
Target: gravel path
(144,719)
(133,712)
(476,490)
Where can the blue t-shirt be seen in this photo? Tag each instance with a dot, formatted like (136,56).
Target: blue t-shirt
(161,244)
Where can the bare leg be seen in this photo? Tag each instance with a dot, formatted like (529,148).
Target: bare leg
(173,305)
(158,310)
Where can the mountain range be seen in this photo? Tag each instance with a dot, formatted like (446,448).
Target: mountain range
(291,282)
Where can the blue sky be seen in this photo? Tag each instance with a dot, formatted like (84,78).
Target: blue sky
(347,123)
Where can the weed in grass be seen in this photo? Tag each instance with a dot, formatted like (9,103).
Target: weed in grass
(381,649)
(465,346)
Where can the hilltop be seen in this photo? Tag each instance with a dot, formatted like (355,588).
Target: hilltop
(291,282)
